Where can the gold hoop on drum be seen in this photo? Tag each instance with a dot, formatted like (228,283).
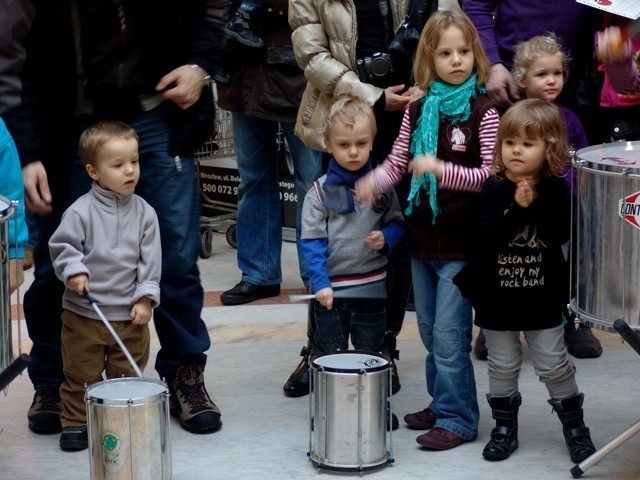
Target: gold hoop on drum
(607,270)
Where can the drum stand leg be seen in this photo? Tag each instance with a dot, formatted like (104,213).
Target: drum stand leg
(388,396)
(634,341)
(360,463)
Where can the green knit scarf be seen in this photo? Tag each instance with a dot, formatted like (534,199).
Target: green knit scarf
(442,102)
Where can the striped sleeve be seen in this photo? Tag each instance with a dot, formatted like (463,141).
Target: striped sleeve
(464,179)
(389,173)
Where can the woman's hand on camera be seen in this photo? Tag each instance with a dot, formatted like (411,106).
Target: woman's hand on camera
(393,100)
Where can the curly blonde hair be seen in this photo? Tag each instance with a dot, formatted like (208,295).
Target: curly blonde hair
(424,71)
(535,118)
(537,47)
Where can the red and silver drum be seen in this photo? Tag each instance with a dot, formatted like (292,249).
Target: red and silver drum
(607,268)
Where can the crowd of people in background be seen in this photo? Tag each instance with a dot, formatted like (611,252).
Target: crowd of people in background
(435,133)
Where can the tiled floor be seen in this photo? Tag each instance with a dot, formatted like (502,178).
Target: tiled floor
(266,435)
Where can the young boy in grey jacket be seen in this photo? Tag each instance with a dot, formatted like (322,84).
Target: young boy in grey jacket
(108,244)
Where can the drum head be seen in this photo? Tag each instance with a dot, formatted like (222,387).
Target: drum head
(612,156)
(122,391)
(6,209)
(351,362)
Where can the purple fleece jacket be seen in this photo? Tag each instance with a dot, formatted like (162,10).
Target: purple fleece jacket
(518,20)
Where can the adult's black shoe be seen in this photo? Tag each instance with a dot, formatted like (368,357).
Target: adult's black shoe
(245,292)
(298,383)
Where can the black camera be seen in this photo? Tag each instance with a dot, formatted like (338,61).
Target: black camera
(376,70)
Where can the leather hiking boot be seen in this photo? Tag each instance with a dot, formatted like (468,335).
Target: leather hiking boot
(193,406)
(44,414)
(440,439)
(298,383)
(582,343)
(73,439)
(245,292)
(424,420)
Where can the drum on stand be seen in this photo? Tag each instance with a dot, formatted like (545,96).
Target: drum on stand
(607,268)
(7,212)
(350,392)
(128,427)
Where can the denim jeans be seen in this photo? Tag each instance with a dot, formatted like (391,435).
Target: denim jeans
(445,322)
(364,319)
(171,189)
(259,229)
(548,355)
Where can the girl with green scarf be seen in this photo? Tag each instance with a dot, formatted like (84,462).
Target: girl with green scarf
(446,141)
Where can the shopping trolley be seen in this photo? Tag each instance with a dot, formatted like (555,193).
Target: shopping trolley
(218,180)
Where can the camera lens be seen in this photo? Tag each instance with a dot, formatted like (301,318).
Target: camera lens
(380,67)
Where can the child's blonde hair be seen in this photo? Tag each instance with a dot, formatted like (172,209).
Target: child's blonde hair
(535,118)
(536,47)
(96,135)
(424,71)
(348,109)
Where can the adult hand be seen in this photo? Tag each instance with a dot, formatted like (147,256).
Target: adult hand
(36,188)
(325,297)
(393,101)
(501,88)
(611,46)
(182,86)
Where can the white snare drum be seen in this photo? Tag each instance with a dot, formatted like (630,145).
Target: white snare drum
(128,427)
(348,408)
(608,234)
(7,212)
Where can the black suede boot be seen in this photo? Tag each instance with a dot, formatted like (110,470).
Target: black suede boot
(576,434)
(504,437)
(298,383)
(240,27)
